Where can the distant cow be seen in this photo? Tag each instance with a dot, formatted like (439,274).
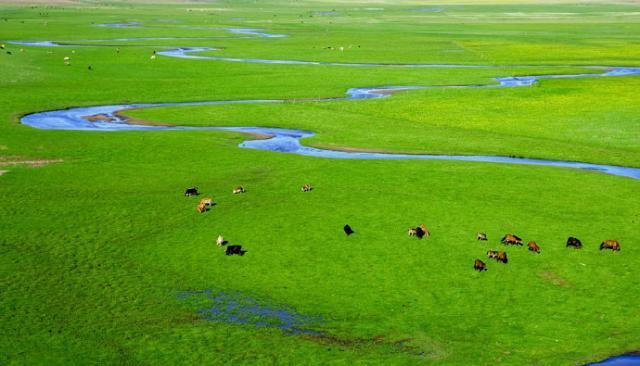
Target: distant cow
(499,256)
(206,201)
(220,241)
(347,230)
(424,230)
(235,249)
(201,208)
(239,189)
(481,236)
(193,191)
(306,188)
(419,231)
(574,242)
(479,265)
(533,246)
(511,239)
(502,257)
(610,244)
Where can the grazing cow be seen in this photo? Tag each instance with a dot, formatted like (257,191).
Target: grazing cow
(306,188)
(206,201)
(610,244)
(479,265)
(202,208)
(502,257)
(347,230)
(239,189)
(574,242)
(193,191)
(220,241)
(424,230)
(511,239)
(235,249)
(481,236)
(533,246)
(499,256)
(419,231)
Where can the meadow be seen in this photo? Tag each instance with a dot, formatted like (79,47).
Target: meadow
(99,248)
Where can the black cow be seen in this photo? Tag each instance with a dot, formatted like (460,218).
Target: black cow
(348,230)
(574,242)
(235,249)
(193,191)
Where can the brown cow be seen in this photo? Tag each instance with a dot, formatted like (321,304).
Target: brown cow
(533,246)
(511,239)
(206,201)
(499,256)
(502,257)
(202,207)
(306,188)
(610,244)
(479,265)
(424,230)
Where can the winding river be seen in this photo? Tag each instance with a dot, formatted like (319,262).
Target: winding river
(109,118)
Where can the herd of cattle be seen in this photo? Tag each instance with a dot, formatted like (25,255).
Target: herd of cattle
(511,239)
(419,231)
(206,203)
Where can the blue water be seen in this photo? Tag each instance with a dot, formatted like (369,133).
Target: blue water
(624,360)
(236,309)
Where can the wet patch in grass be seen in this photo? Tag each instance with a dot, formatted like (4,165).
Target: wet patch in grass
(238,309)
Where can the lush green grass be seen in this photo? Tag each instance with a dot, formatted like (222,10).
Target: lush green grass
(95,250)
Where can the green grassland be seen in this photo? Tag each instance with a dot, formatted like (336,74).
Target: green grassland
(95,249)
